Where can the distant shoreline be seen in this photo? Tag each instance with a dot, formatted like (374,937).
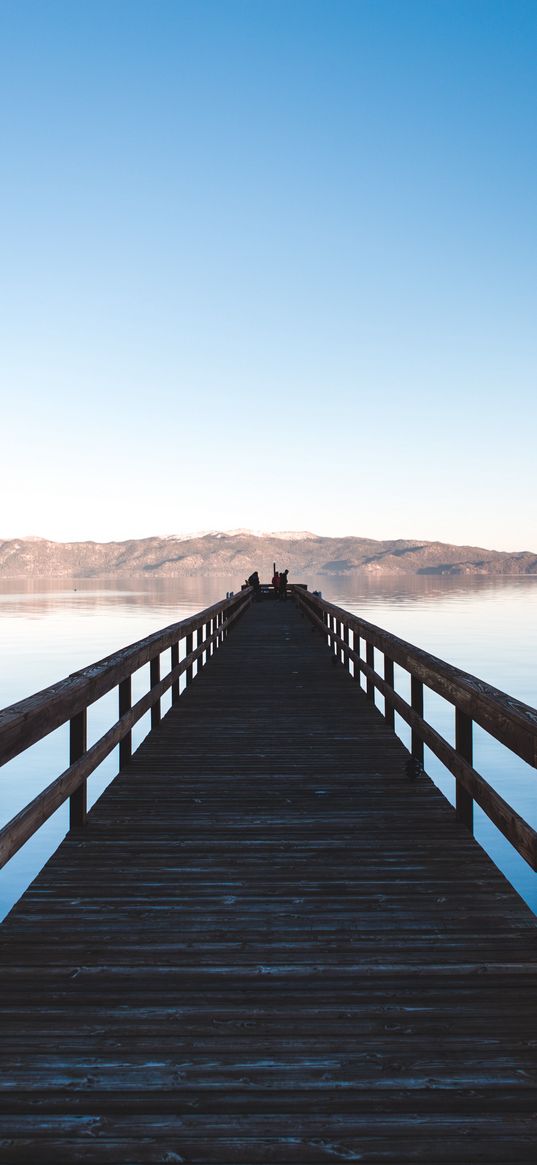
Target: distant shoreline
(235,554)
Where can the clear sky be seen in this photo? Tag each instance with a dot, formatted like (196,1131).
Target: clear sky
(271,265)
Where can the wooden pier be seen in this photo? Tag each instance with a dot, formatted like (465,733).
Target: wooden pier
(267,942)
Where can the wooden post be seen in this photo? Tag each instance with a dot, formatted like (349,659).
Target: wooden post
(346,639)
(174,660)
(416,688)
(125,704)
(188,649)
(332,623)
(357,650)
(201,637)
(464,802)
(78,743)
(154,678)
(389,712)
(370,660)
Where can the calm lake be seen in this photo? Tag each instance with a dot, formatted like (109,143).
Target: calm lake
(49,628)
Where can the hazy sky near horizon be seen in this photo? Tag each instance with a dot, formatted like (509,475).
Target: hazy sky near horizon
(271,265)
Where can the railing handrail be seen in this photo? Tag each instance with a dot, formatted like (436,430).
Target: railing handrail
(491,707)
(28,721)
(510,721)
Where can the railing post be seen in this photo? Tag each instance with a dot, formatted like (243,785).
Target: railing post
(154,678)
(78,743)
(357,651)
(370,660)
(201,637)
(125,704)
(174,660)
(188,649)
(389,711)
(416,689)
(332,623)
(464,802)
(346,639)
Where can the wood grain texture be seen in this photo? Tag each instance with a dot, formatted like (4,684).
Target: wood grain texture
(29,720)
(267,945)
(73,780)
(509,720)
(471,785)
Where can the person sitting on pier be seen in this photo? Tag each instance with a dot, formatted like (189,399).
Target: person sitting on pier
(276,583)
(253,581)
(282,589)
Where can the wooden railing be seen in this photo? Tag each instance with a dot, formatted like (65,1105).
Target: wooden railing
(27,722)
(510,721)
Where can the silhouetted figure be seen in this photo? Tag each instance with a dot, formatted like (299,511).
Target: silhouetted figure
(282,590)
(253,581)
(276,583)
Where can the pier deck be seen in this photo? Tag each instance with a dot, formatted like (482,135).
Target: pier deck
(269,945)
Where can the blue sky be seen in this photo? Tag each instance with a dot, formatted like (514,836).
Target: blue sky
(269,265)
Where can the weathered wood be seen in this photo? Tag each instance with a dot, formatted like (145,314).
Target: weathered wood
(346,640)
(78,743)
(154,680)
(389,713)
(513,826)
(416,697)
(370,661)
(464,805)
(510,721)
(29,720)
(201,641)
(189,641)
(267,946)
(356,657)
(125,705)
(17,831)
(174,662)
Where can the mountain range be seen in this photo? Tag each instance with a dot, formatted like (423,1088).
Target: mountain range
(235,553)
